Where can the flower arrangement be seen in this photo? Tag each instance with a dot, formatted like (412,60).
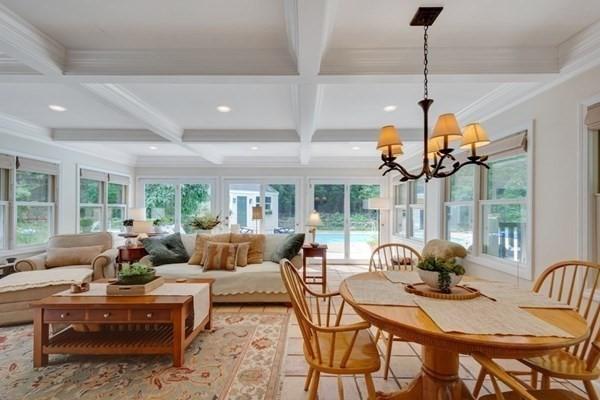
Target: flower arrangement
(444,268)
(128,222)
(157,222)
(205,222)
(136,274)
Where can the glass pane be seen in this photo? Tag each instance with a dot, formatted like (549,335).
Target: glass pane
(280,208)
(459,225)
(90,219)
(507,179)
(242,197)
(3,226)
(195,201)
(418,192)
(329,203)
(116,215)
(159,200)
(34,224)
(33,186)
(400,221)
(116,194)
(504,231)
(461,184)
(417,218)
(400,194)
(90,191)
(363,222)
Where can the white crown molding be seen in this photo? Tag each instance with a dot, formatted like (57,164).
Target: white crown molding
(455,60)
(106,135)
(581,51)
(24,42)
(180,62)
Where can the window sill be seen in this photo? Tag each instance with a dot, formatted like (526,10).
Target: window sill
(523,271)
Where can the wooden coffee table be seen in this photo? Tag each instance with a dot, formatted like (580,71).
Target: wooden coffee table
(170,332)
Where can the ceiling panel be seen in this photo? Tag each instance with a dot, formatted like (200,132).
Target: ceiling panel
(195,106)
(365,150)
(157,24)
(136,149)
(262,150)
(464,23)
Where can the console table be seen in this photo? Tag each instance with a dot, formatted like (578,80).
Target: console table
(308,251)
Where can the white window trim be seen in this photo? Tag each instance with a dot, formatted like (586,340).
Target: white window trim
(473,203)
(409,207)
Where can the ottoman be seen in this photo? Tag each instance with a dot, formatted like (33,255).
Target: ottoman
(18,290)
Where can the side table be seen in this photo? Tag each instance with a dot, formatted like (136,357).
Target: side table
(130,255)
(320,251)
(7,269)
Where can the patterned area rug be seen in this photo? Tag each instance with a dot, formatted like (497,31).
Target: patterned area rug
(239,359)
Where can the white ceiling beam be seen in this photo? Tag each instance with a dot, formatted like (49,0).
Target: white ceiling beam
(240,136)
(31,47)
(106,135)
(151,118)
(363,135)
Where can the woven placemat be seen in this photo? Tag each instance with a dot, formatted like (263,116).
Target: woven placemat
(508,293)
(406,277)
(379,292)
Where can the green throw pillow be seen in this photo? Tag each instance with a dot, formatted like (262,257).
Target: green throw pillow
(289,248)
(166,250)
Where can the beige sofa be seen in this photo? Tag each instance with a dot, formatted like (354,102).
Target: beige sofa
(254,283)
(103,264)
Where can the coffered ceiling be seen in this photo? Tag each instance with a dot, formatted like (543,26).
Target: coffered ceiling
(302,81)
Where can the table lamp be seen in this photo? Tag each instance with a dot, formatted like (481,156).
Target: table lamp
(257,215)
(314,220)
(379,204)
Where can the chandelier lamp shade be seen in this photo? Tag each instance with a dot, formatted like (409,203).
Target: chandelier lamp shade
(438,160)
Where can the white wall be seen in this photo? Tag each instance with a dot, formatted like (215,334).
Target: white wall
(69,161)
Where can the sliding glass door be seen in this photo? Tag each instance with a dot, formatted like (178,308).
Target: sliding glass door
(349,229)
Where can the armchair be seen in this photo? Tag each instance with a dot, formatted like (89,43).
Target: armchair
(103,264)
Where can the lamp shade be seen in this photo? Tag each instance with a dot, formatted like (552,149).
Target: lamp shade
(388,137)
(447,126)
(396,150)
(378,203)
(314,219)
(137,214)
(257,212)
(474,135)
(434,145)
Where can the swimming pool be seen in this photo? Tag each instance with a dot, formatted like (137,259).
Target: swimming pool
(332,237)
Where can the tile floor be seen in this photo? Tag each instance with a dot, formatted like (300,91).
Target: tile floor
(404,366)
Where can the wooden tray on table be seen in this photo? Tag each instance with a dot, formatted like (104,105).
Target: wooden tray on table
(457,292)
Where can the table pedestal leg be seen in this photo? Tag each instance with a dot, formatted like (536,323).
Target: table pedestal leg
(438,380)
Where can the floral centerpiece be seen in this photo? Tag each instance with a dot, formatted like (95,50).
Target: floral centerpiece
(440,274)
(128,224)
(205,222)
(136,274)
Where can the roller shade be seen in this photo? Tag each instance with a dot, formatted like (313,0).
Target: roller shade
(93,175)
(31,165)
(7,162)
(505,147)
(120,179)
(592,118)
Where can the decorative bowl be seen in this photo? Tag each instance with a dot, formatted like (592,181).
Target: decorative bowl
(137,279)
(431,279)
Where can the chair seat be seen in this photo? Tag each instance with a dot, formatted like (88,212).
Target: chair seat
(551,394)
(363,358)
(562,364)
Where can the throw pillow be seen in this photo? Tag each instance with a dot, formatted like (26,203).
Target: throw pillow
(65,256)
(166,250)
(241,256)
(289,248)
(257,245)
(219,256)
(201,240)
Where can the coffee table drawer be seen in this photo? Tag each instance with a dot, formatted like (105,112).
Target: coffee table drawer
(64,315)
(151,315)
(107,315)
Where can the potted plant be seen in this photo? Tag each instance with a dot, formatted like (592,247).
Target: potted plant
(136,274)
(205,223)
(128,224)
(157,223)
(440,274)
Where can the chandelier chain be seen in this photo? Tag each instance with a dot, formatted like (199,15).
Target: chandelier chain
(425,62)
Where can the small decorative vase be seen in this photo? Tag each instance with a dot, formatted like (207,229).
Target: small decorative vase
(129,229)
(432,279)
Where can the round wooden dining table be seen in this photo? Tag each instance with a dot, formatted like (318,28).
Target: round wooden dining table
(439,379)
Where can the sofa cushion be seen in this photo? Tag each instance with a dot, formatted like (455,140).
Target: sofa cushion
(289,247)
(198,257)
(257,245)
(35,279)
(189,242)
(166,250)
(272,242)
(103,239)
(63,256)
(219,256)
(241,254)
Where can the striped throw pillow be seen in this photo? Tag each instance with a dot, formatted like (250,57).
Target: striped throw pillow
(219,256)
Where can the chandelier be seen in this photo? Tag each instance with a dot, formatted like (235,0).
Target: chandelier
(438,161)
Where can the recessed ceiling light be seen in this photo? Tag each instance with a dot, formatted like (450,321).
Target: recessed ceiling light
(254,148)
(224,109)
(57,108)
(390,108)
(355,148)
(153,148)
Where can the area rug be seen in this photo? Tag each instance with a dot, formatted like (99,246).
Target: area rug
(239,359)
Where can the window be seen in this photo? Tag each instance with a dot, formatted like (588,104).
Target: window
(176,203)
(102,201)
(4,197)
(458,207)
(409,210)
(399,217)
